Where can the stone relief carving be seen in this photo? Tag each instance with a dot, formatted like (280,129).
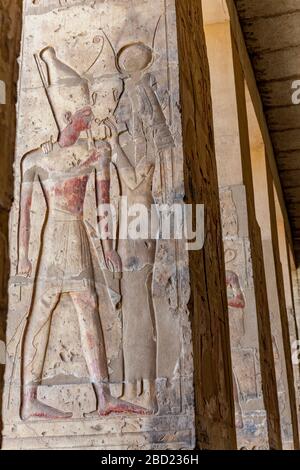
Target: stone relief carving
(40,6)
(229,215)
(244,357)
(250,414)
(279,371)
(65,265)
(3,270)
(246,378)
(235,294)
(111,137)
(236,301)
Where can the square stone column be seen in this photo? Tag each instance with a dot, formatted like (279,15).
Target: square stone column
(273,174)
(256,406)
(97,358)
(99,340)
(215,426)
(266,214)
(295,276)
(286,260)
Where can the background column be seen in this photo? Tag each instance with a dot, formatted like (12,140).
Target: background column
(266,215)
(213,379)
(257,417)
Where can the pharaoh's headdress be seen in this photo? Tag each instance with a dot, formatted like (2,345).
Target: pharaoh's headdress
(67,91)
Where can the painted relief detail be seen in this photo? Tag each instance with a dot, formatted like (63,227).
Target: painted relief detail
(234,291)
(66,268)
(98,330)
(244,357)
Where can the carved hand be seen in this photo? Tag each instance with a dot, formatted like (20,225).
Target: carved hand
(47,147)
(113,136)
(113,261)
(25,267)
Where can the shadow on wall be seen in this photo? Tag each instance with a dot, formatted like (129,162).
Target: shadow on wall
(10,37)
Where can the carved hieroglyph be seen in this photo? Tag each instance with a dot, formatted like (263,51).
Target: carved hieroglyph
(98,337)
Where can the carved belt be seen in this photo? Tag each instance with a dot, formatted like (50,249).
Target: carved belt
(59,215)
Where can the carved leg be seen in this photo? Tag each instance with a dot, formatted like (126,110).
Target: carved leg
(94,352)
(35,342)
(92,341)
(139,338)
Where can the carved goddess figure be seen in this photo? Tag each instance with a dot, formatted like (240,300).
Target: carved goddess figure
(138,134)
(64,264)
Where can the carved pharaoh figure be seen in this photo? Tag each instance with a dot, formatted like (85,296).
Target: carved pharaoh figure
(139,135)
(64,266)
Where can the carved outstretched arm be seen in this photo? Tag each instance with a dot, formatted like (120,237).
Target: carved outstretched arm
(27,180)
(133,177)
(112,258)
(125,169)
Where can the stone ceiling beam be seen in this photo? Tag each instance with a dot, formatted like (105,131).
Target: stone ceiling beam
(257,102)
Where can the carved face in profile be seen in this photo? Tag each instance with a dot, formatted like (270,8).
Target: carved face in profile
(80,120)
(135,57)
(105,96)
(75,124)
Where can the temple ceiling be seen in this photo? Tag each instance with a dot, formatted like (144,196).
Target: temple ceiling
(272,35)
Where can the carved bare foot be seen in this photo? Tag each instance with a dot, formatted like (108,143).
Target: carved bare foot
(109,405)
(114,405)
(151,405)
(37,409)
(142,394)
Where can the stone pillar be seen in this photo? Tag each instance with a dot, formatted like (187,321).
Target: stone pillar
(295,278)
(98,338)
(266,215)
(213,379)
(256,406)
(10,14)
(286,263)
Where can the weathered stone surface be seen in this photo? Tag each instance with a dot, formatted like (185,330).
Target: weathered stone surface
(295,279)
(260,275)
(266,216)
(257,417)
(287,264)
(213,377)
(251,415)
(79,338)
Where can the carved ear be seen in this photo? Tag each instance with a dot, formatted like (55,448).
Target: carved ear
(68,117)
(116,95)
(94,98)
